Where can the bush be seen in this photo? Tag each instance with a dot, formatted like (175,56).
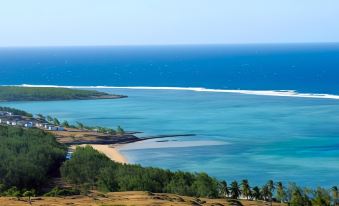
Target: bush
(58,192)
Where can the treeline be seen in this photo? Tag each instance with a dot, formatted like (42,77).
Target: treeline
(89,169)
(277,192)
(12,93)
(29,157)
(15,111)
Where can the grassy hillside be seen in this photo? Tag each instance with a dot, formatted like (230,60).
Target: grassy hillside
(12,93)
(132,198)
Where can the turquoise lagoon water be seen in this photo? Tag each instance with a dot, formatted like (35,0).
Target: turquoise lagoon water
(237,136)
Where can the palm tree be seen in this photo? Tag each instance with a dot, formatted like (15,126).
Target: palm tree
(80,125)
(265,192)
(256,193)
(246,190)
(40,116)
(281,194)
(65,124)
(49,119)
(120,131)
(56,122)
(234,190)
(335,195)
(271,188)
(223,189)
(321,197)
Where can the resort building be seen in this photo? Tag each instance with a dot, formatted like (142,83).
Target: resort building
(53,127)
(4,113)
(16,120)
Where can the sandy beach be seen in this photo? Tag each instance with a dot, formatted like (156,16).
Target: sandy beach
(111,151)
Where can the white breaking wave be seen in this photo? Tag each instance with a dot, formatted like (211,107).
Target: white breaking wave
(280,93)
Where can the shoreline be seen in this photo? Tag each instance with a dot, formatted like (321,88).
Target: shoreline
(111,151)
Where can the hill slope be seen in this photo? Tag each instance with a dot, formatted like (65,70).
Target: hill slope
(129,198)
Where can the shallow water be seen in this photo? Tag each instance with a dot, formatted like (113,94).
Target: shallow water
(237,136)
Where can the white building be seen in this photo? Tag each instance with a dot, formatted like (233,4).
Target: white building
(4,113)
(28,124)
(13,123)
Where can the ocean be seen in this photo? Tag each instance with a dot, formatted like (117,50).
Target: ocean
(241,133)
(310,68)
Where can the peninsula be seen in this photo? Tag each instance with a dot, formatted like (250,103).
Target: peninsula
(15,93)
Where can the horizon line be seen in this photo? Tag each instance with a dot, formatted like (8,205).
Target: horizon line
(178,44)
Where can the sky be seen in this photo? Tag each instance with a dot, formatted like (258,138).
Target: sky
(166,22)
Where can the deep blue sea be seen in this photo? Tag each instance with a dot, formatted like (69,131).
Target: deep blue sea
(310,68)
(290,139)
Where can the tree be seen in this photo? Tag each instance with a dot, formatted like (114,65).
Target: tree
(106,180)
(17,194)
(205,186)
(265,192)
(2,188)
(223,189)
(29,194)
(321,198)
(40,116)
(256,193)
(335,195)
(246,190)
(271,188)
(180,183)
(111,131)
(281,194)
(120,131)
(297,198)
(65,124)
(84,167)
(235,191)
(29,157)
(49,119)
(80,125)
(56,121)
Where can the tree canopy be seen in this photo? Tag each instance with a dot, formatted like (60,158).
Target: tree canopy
(28,157)
(90,168)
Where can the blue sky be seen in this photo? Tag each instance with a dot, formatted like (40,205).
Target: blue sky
(144,22)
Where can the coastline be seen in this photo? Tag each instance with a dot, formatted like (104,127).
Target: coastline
(111,151)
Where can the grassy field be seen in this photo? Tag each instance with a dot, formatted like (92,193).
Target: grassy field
(128,199)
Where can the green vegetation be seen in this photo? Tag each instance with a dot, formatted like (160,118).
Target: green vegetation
(90,169)
(79,125)
(29,157)
(120,131)
(12,93)
(15,111)
(60,192)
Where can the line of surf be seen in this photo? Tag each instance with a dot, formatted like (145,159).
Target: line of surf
(280,93)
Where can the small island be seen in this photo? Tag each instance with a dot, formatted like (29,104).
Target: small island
(16,93)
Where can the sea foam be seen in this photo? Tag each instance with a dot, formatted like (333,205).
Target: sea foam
(280,93)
